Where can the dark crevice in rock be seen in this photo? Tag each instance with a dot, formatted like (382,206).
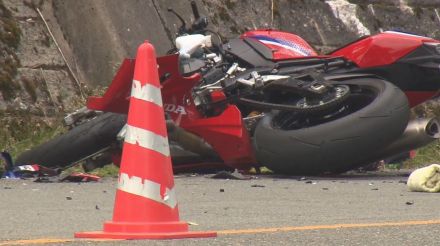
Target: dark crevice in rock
(47,67)
(163,22)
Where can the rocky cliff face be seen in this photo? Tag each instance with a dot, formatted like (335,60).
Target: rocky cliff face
(41,84)
(35,85)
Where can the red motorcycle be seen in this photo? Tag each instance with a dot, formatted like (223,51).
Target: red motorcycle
(268,98)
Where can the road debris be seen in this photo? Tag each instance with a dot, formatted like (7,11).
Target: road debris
(260,170)
(409,203)
(425,179)
(43,174)
(80,177)
(257,185)
(228,175)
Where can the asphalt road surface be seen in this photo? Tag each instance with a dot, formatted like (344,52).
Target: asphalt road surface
(360,209)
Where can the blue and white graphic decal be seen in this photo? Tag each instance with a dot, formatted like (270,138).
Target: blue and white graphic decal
(295,47)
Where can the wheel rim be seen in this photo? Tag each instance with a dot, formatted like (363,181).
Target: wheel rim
(285,101)
(360,97)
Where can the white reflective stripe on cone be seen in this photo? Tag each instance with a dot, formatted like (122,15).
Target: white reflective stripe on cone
(148,92)
(147,139)
(146,188)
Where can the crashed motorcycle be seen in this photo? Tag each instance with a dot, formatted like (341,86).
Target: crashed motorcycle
(269,99)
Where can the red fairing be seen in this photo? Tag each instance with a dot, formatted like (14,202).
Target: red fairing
(381,49)
(116,97)
(284,45)
(226,132)
(417,97)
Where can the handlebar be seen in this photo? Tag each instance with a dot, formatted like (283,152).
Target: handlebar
(195,10)
(199,24)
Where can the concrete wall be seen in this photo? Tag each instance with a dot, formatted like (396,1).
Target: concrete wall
(45,86)
(102,32)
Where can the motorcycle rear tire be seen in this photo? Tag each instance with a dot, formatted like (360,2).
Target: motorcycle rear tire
(337,145)
(82,141)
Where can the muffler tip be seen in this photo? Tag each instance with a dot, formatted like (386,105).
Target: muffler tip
(433,128)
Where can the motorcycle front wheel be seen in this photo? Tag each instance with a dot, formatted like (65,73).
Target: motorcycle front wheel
(76,144)
(374,115)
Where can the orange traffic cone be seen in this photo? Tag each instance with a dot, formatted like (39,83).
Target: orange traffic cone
(145,203)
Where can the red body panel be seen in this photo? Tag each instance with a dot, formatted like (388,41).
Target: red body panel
(417,97)
(116,97)
(381,49)
(225,132)
(284,45)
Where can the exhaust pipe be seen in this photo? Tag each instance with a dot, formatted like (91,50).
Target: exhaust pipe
(186,145)
(190,141)
(418,133)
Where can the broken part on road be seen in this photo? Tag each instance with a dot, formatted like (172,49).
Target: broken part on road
(42,173)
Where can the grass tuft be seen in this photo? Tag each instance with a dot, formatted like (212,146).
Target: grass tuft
(109,170)
(425,156)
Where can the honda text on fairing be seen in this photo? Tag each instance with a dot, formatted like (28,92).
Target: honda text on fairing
(268,98)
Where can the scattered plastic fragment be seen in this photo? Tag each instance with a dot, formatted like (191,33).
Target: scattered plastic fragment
(260,170)
(228,175)
(9,165)
(45,180)
(80,177)
(257,185)
(265,170)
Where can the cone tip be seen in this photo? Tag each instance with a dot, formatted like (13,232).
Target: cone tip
(146,46)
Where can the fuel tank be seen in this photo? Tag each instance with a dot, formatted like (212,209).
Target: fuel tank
(283,45)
